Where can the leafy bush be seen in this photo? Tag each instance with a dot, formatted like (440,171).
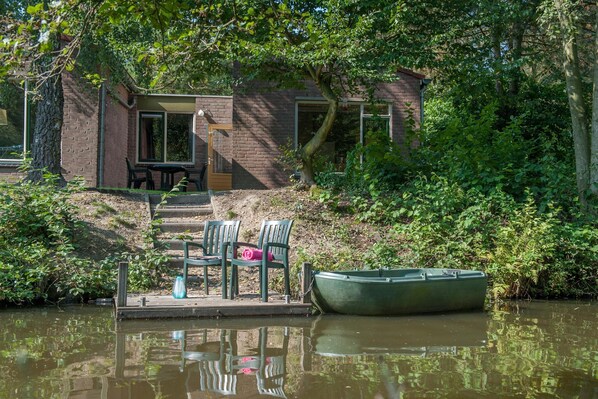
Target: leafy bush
(378,166)
(526,252)
(523,247)
(37,256)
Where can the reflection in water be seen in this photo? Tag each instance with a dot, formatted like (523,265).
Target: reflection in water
(221,362)
(335,335)
(533,349)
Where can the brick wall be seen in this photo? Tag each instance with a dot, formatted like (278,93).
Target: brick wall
(264,120)
(116,137)
(80,130)
(10,174)
(406,95)
(217,110)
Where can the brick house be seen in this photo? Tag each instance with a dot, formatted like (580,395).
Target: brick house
(240,136)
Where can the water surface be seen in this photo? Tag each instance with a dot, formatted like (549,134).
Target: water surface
(526,350)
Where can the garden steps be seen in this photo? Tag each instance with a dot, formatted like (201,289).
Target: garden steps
(183,217)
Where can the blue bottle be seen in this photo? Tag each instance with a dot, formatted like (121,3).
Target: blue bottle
(179,291)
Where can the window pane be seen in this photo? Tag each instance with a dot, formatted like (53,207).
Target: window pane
(377,109)
(179,138)
(375,124)
(151,137)
(12,121)
(341,139)
(221,146)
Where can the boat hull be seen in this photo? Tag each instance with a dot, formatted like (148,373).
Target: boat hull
(399,291)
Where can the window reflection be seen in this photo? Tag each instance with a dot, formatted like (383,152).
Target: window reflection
(13,111)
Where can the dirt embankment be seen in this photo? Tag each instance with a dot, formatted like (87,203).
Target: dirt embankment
(115,222)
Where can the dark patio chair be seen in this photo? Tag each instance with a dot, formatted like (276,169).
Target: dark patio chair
(196,177)
(138,175)
(273,239)
(215,234)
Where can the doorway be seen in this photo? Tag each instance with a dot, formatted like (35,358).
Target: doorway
(220,167)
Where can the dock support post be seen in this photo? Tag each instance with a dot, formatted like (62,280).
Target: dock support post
(121,288)
(306,281)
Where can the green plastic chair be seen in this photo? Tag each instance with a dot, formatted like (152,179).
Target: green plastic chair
(215,234)
(273,238)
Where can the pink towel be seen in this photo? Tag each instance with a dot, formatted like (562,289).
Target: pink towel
(255,254)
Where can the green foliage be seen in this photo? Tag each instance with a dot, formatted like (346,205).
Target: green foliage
(376,166)
(148,266)
(526,252)
(39,260)
(37,254)
(523,247)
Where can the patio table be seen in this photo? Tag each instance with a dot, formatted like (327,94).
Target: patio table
(167,172)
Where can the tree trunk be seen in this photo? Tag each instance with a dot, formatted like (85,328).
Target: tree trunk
(45,148)
(577,106)
(311,147)
(594,136)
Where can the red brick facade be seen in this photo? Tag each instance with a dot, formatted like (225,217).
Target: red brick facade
(116,139)
(217,110)
(263,121)
(80,130)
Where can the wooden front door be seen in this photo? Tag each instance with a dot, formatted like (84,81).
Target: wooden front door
(220,155)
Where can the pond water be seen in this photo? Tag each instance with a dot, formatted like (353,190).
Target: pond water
(538,349)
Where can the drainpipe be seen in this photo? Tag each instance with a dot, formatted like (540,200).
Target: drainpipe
(101,150)
(423,85)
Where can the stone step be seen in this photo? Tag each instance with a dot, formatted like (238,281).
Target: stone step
(172,244)
(182,211)
(176,262)
(181,199)
(181,226)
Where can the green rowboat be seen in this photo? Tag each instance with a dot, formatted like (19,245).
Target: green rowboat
(388,292)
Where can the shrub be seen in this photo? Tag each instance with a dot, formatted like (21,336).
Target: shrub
(523,247)
(38,258)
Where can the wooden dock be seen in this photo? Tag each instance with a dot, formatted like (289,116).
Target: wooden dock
(139,306)
(210,306)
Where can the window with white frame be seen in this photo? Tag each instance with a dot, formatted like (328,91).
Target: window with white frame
(353,121)
(165,137)
(15,115)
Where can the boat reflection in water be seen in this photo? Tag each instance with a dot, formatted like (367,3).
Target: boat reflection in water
(338,335)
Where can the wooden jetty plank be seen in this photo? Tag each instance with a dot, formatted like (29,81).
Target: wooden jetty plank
(164,307)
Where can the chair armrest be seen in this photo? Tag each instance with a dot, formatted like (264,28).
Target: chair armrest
(267,246)
(235,245)
(187,244)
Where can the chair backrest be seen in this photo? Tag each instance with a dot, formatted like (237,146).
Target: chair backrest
(214,378)
(129,166)
(132,171)
(217,232)
(270,378)
(275,231)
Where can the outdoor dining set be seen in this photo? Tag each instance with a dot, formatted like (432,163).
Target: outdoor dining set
(143,175)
